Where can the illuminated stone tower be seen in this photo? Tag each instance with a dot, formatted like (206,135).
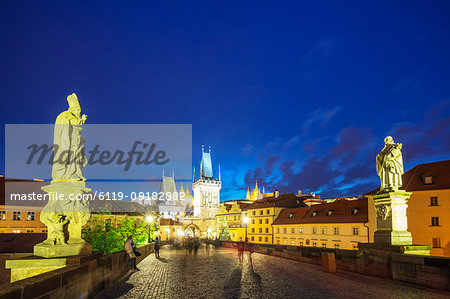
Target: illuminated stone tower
(206,189)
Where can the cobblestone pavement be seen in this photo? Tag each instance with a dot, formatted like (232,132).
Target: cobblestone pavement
(216,273)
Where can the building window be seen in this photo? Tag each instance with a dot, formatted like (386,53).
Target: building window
(284,230)
(16,216)
(16,231)
(266,239)
(30,231)
(336,246)
(44,230)
(261,212)
(253,229)
(434,201)
(268,212)
(2,215)
(284,242)
(336,230)
(293,243)
(324,230)
(329,212)
(260,238)
(254,212)
(290,215)
(355,231)
(260,230)
(278,230)
(253,239)
(324,245)
(267,230)
(300,230)
(313,214)
(260,221)
(428,179)
(436,242)
(314,244)
(235,217)
(355,211)
(300,243)
(355,246)
(267,221)
(253,221)
(314,230)
(434,221)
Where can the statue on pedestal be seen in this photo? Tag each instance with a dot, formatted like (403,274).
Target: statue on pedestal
(390,166)
(69,160)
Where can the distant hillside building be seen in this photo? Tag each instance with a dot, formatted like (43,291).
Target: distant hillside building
(206,189)
(255,193)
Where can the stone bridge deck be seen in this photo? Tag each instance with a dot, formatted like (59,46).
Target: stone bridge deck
(217,273)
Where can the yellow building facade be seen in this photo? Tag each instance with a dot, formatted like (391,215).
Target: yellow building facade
(340,225)
(232,216)
(262,213)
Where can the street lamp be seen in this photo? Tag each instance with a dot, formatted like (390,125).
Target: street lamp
(246,220)
(149,220)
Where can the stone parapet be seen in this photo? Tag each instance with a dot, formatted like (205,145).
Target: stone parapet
(93,273)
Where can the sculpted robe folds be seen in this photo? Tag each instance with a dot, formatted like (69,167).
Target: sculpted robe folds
(69,157)
(389,165)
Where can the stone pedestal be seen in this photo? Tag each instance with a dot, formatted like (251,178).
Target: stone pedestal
(70,205)
(47,250)
(392,224)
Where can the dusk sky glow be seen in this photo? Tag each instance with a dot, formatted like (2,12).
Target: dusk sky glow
(297,95)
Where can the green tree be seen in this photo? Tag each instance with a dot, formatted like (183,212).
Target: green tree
(108,239)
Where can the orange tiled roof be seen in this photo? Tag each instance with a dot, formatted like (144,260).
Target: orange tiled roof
(341,212)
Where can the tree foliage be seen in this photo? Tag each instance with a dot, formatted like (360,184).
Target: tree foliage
(108,239)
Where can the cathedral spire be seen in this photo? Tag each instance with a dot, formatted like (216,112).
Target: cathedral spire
(219,172)
(248,193)
(193,174)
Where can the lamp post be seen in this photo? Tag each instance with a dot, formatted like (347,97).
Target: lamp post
(246,220)
(149,220)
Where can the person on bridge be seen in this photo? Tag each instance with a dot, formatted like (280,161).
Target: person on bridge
(240,248)
(128,246)
(157,247)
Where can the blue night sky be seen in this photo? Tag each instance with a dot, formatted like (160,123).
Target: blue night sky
(297,95)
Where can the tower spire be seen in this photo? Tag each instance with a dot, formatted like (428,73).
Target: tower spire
(193,174)
(163,173)
(219,173)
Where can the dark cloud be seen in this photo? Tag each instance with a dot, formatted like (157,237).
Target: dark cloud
(348,167)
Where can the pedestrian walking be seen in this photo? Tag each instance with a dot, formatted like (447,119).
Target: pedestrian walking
(128,247)
(157,247)
(240,248)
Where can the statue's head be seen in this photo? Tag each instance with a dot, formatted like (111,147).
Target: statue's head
(74,104)
(389,140)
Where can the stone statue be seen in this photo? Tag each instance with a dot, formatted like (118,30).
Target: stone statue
(390,165)
(68,152)
(67,179)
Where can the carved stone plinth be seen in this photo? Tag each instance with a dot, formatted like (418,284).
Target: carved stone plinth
(66,208)
(392,223)
(46,250)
